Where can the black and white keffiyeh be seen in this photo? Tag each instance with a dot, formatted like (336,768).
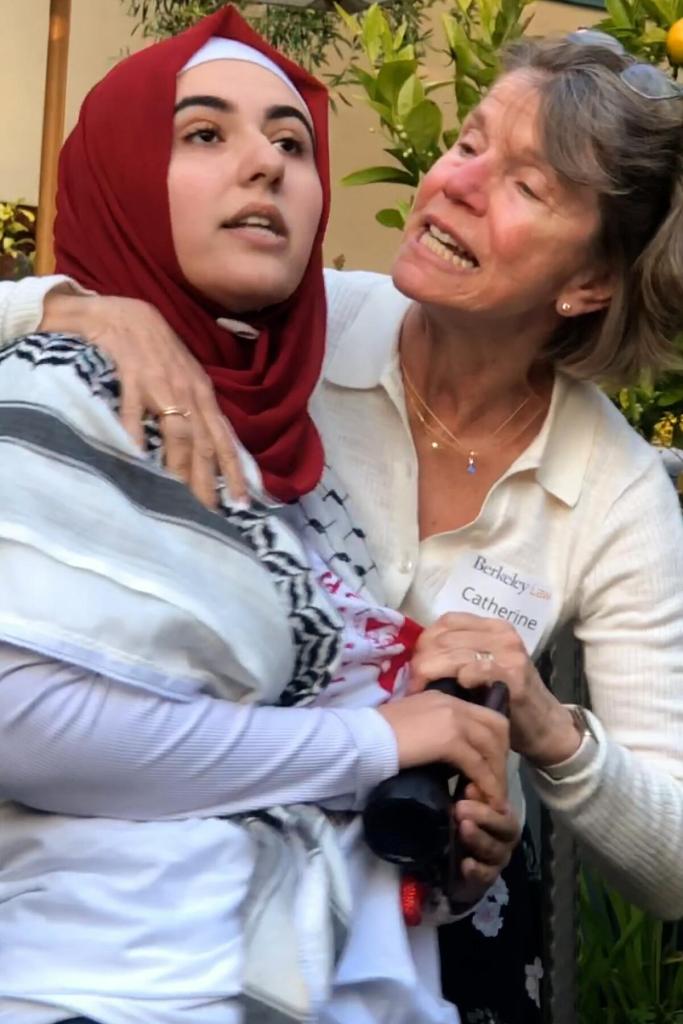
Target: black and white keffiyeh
(111,564)
(105,522)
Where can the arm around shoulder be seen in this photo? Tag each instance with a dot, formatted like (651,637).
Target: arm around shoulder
(22,303)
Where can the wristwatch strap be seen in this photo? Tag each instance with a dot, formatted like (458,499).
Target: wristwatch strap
(583,756)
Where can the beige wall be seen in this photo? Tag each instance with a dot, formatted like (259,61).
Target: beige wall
(101,33)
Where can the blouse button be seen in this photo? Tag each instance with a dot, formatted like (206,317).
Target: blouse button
(406,566)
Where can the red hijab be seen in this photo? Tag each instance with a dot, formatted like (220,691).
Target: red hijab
(113,234)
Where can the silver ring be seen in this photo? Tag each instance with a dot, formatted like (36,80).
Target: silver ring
(483,656)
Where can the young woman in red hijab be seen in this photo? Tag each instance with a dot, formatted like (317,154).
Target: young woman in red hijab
(113,228)
(175,709)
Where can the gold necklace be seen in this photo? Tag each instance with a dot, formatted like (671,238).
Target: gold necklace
(471,455)
(419,404)
(438,442)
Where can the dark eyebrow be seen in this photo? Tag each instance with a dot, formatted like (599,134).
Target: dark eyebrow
(276,113)
(282,111)
(214,102)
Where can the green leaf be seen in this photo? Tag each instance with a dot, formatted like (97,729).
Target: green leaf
(406,53)
(392,77)
(378,175)
(653,34)
(523,25)
(350,20)
(404,208)
(431,87)
(450,137)
(406,157)
(458,44)
(373,26)
(621,13)
(389,46)
(400,36)
(390,218)
(629,972)
(660,11)
(484,77)
(385,112)
(486,18)
(411,93)
(468,97)
(423,125)
(670,397)
(366,81)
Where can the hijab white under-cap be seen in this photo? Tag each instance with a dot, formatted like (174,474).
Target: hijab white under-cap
(218,48)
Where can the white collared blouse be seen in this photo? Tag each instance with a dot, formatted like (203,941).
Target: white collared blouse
(588,512)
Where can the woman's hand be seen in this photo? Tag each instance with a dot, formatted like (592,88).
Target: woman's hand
(489,835)
(157,372)
(477,650)
(433,727)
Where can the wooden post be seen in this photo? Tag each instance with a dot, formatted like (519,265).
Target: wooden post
(53,130)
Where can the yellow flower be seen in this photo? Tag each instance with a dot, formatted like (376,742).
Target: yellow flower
(663,431)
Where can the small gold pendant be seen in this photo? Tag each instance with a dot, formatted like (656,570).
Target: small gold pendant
(435,444)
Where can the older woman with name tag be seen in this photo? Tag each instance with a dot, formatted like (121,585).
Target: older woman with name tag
(502,493)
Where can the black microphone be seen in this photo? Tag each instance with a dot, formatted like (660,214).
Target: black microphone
(408,819)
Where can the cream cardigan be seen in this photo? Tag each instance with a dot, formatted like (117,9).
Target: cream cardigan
(587,509)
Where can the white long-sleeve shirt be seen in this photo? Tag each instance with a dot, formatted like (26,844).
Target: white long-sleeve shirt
(74,742)
(156,903)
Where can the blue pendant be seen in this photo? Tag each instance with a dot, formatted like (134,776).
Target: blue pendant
(471,464)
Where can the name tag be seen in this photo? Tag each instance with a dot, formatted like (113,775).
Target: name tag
(486,586)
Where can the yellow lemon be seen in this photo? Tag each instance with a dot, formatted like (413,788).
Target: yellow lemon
(674,43)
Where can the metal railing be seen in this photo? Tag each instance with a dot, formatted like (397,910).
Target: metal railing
(562,672)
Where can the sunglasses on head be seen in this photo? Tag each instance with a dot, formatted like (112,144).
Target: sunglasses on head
(644,79)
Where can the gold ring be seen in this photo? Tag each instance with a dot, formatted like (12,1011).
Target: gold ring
(175,410)
(483,656)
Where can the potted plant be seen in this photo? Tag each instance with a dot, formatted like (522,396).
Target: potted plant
(655,410)
(17,240)
(630,965)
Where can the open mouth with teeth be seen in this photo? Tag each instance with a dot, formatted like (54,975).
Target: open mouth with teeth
(259,222)
(445,246)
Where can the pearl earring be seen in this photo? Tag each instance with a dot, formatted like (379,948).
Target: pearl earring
(566,307)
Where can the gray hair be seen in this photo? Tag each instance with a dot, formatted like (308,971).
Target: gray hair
(599,133)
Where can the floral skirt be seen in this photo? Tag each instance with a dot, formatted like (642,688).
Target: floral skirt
(491,964)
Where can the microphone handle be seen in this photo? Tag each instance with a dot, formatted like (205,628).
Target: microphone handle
(495,696)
